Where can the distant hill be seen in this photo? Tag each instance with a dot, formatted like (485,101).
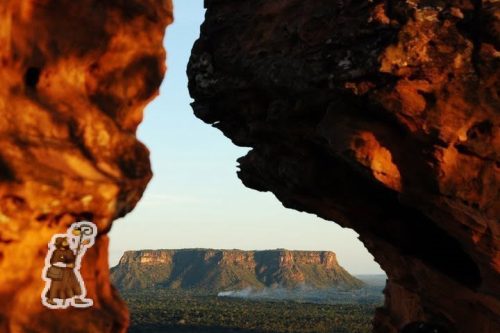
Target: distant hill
(220,270)
(374,280)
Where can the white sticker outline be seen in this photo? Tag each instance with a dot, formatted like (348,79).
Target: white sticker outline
(73,243)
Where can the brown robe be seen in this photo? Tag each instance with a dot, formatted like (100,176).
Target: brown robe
(69,285)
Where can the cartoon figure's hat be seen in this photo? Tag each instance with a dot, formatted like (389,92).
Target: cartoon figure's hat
(59,241)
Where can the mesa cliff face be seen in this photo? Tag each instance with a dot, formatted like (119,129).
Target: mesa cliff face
(382,116)
(213,271)
(74,79)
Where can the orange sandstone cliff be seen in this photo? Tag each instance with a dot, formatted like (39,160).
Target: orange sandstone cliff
(382,116)
(75,77)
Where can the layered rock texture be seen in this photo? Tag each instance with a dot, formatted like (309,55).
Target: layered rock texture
(213,271)
(74,79)
(382,116)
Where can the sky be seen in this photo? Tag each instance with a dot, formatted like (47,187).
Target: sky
(195,199)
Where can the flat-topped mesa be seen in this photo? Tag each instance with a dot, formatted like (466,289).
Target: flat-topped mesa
(282,257)
(234,257)
(381,116)
(219,270)
(327,259)
(75,77)
(146,257)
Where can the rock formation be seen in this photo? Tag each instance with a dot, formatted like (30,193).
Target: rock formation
(382,116)
(74,79)
(213,271)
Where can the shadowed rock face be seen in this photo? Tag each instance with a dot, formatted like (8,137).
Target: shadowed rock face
(381,116)
(74,79)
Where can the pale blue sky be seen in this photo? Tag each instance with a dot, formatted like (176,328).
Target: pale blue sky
(195,198)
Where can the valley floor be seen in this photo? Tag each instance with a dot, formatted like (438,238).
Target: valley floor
(165,311)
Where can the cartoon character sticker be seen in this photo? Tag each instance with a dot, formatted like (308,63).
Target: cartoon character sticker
(64,285)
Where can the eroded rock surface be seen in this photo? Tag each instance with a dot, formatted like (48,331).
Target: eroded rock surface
(74,79)
(382,116)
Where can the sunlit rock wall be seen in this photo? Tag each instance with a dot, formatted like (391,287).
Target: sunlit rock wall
(75,77)
(382,116)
